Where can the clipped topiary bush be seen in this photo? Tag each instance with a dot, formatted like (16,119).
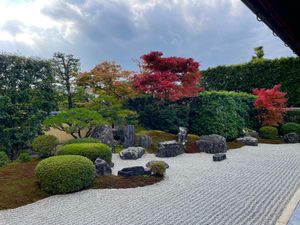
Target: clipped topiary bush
(3,159)
(158,169)
(64,174)
(268,132)
(221,112)
(82,140)
(290,127)
(24,157)
(89,150)
(45,145)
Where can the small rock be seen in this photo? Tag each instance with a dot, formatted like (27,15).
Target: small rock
(133,171)
(212,144)
(169,149)
(219,157)
(251,133)
(148,165)
(248,141)
(145,141)
(102,167)
(182,135)
(132,153)
(291,137)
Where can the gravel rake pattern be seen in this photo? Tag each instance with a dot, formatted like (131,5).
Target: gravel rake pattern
(250,187)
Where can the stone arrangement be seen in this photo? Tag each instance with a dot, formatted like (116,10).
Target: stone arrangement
(129,136)
(148,165)
(251,133)
(134,171)
(102,167)
(169,149)
(132,153)
(219,157)
(145,141)
(212,144)
(105,135)
(182,135)
(248,140)
(291,138)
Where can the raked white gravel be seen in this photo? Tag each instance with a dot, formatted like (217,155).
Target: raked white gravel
(251,187)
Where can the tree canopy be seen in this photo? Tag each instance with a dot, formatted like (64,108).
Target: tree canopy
(169,78)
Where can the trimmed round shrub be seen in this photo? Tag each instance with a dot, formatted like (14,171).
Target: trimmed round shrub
(64,174)
(3,159)
(82,140)
(89,150)
(290,127)
(268,132)
(45,145)
(24,157)
(158,168)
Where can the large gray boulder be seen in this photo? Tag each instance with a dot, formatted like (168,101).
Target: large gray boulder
(169,149)
(251,141)
(145,141)
(132,153)
(129,136)
(105,135)
(291,138)
(212,144)
(102,167)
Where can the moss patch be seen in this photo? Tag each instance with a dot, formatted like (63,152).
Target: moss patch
(107,182)
(19,185)
(234,145)
(270,141)
(161,136)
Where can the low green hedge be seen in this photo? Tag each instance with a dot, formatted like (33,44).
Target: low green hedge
(268,132)
(290,127)
(89,150)
(82,140)
(3,158)
(45,145)
(64,174)
(24,157)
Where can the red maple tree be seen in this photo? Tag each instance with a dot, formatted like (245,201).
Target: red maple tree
(272,102)
(169,78)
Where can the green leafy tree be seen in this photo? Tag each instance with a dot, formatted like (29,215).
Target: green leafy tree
(259,53)
(26,98)
(66,68)
(112,109)
(76,121)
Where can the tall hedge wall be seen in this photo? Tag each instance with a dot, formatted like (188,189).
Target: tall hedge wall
(257,74)
(219,112)
(26,97)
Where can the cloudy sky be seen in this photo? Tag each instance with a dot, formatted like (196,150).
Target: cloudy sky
(213,32)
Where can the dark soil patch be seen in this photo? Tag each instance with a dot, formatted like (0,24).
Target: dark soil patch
(270,141)
(19,185)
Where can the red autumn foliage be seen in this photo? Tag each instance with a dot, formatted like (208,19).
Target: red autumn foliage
(272,102)
(169,78)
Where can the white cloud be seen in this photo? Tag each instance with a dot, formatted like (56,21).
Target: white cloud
(212,31)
